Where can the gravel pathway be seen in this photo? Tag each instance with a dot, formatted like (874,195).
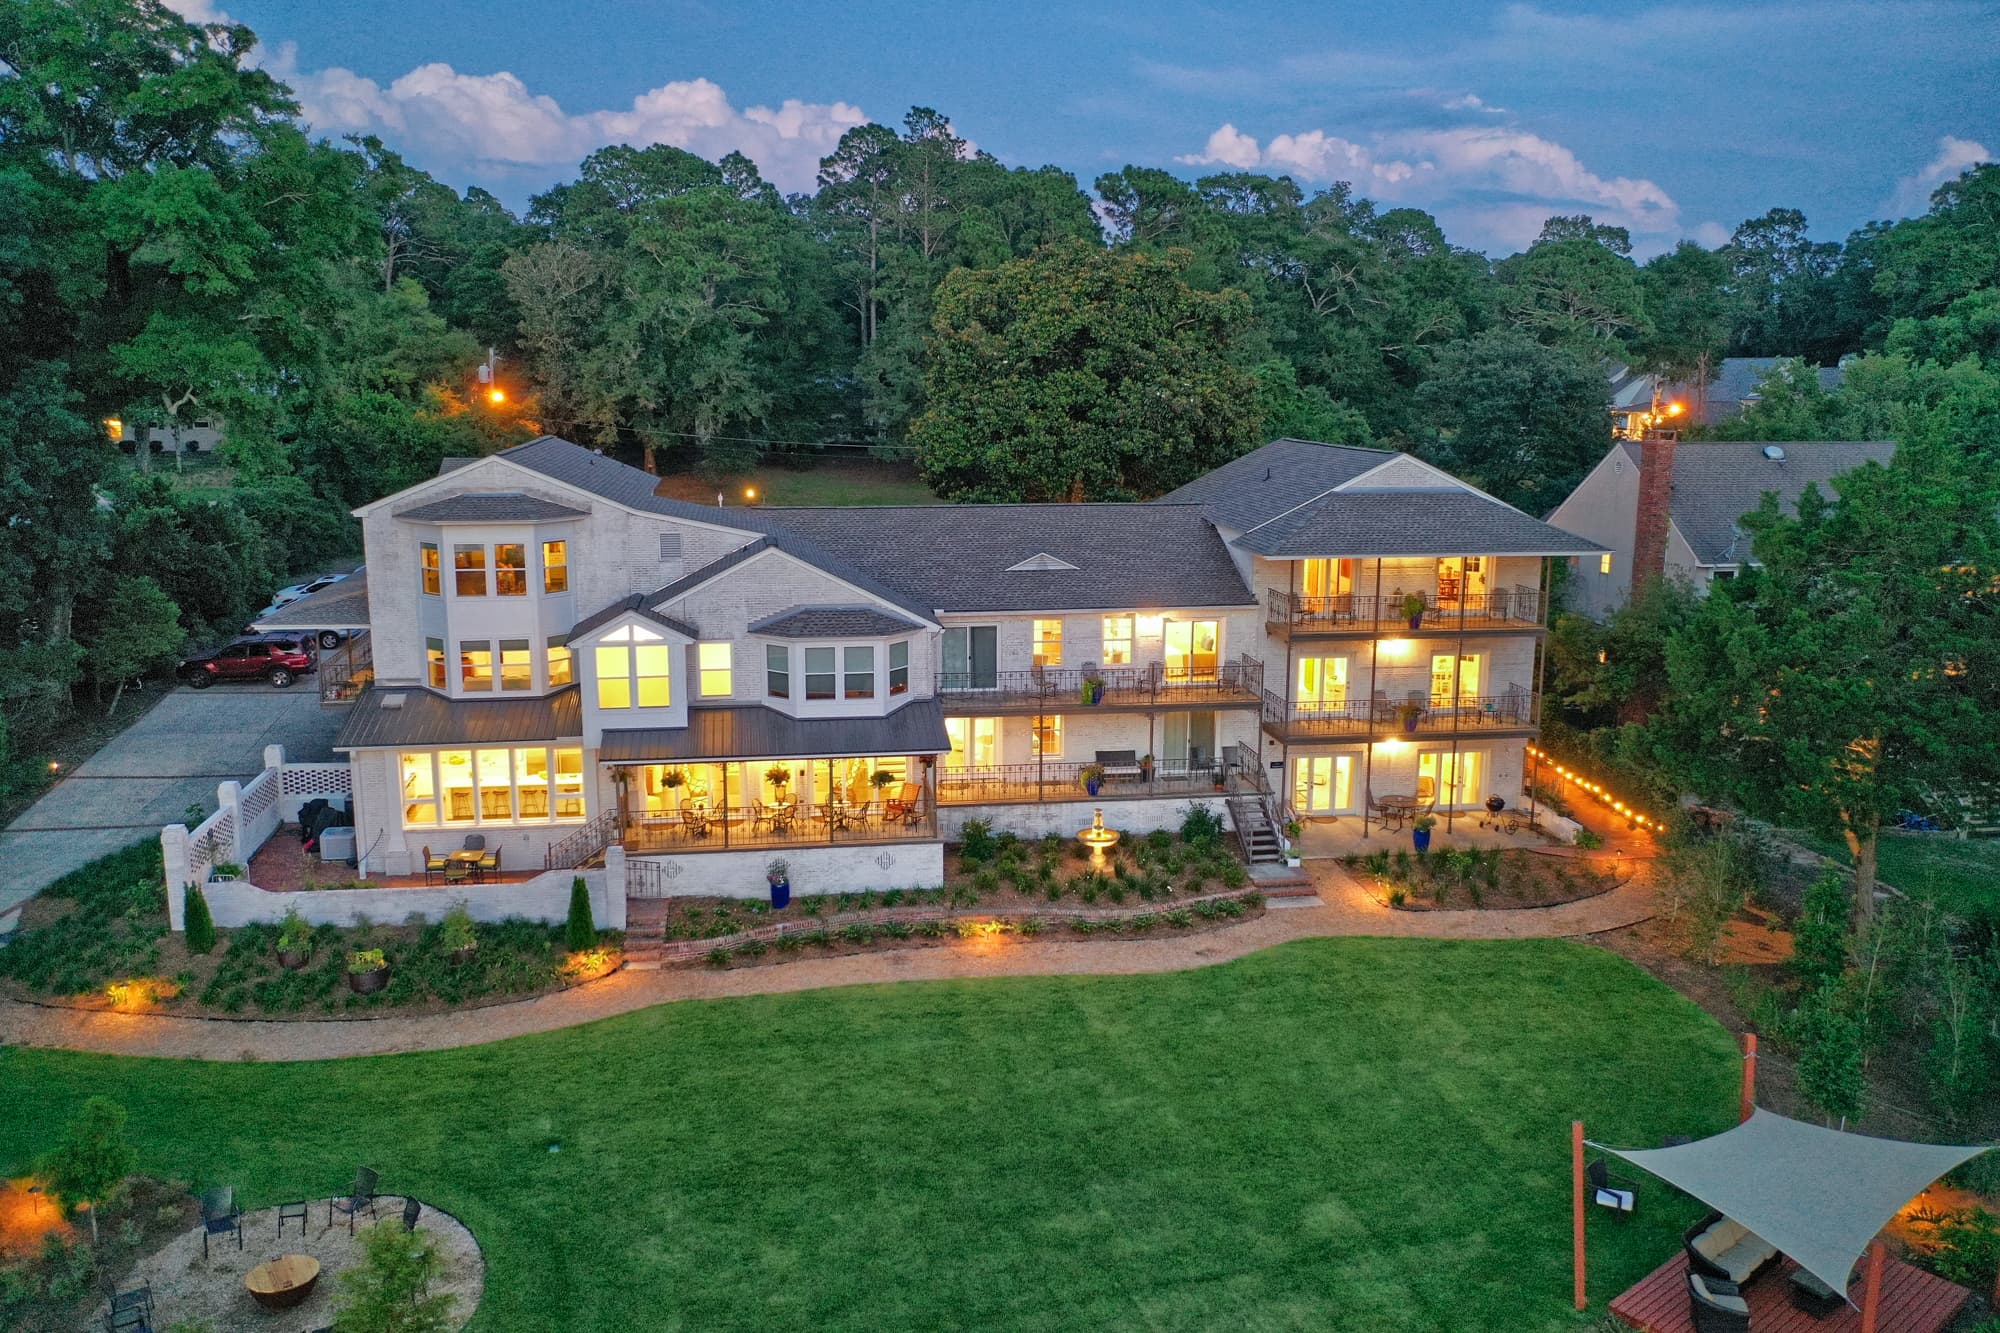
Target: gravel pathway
(1343,909)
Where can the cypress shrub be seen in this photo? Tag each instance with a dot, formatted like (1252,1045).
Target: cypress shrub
(200,924)
(582,930)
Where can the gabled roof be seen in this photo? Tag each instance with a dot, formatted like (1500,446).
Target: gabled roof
(636,604)
(412,715)
(587,470)
(1414,523)
(832,622)
(961,558)
(1717,482)
(489,507)
(1268,481)
(342,605)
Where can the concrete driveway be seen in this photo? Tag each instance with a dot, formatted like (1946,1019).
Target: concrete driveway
(149,774)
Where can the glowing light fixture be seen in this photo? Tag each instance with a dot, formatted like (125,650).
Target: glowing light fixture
(496,395)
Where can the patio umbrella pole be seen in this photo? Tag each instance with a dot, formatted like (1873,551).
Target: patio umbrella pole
(1576,1207)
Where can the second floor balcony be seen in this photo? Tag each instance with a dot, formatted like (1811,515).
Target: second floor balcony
(1381,718)
(1042,690)
(1515,609)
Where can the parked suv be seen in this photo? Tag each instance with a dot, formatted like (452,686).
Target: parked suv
(277,658)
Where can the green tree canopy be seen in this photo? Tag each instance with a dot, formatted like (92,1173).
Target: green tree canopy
(1522,419)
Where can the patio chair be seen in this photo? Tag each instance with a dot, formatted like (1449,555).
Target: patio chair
(914,812)
(457,872)
(474,842)
(362,1197)
(129,1302)
(695,819)
(899,804)
(1610,1191)
(412,1210)
(128,1321)
(220,1216)
(489,863)
(1384,710)
(433,865)
(763,816)
(1717,1306)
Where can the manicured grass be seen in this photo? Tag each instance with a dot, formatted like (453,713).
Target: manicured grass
(1960,875)
(1353,1134)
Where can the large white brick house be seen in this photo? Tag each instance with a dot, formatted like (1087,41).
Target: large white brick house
(565,660)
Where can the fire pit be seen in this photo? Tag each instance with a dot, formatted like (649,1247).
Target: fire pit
(284,1281)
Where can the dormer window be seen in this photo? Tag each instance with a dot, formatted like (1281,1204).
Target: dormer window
(633,664)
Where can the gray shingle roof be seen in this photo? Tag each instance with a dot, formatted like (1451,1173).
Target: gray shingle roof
(1438,522)
(1717,482)
(1268,481)
(752,731)
(489,507)
(453,462)
(957,557)
(637,603)
(427,718)
(832,622)
(342,605)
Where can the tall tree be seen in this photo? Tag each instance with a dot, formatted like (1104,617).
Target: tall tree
(1691,318)
(1524,420)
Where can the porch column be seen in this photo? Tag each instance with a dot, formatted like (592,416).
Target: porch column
(1368,708)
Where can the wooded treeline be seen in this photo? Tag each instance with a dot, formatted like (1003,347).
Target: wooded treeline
(176,246)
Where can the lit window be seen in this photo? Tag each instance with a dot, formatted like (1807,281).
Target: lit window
(531,778)
(569,784)
(1048,737)
(469,570)
(562,663)
(517,665)
(555,566)
(1604,563)
(715,673)
(899,667)
(632,664)
(860,671)
(777,671)
(428,555)
(820,678)
(475,665)
(1117,641)
(510,569)
(975,742)
(455,786)
(420,807)
(434,655)
(496,792)
(1048,643)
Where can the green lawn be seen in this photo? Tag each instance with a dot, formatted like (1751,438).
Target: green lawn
(1353,1134)
(836,484)
(1961,876)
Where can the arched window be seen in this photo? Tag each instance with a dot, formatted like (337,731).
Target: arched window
(633,668)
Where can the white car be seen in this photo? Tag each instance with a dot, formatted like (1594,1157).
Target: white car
(286,596)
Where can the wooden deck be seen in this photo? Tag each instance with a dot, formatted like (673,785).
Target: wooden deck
(1913,1301)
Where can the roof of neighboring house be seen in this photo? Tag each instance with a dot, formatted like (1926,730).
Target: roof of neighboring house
(636,604)
(342,606)
(752,731)
(1268,481)
(1737,378)
(489,507)
(831,622)
(961,557)
(425,717)
(1417,522)
(453,462)
(1717,482)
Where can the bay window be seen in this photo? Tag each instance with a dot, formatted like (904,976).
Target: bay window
(899,667)
(555,566)
(469,571)
(859,662)
(512,785)
(434,662)
(777,671)
(510,569)
(820,677)
(475,666)
(427,557)
(517,665)
(562,666)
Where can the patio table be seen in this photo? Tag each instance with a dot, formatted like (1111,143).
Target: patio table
(1396,808)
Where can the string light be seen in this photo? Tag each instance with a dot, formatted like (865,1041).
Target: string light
(1595,789)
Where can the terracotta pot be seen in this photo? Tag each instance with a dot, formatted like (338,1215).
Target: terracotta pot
(368,983)
(294,959)
(465,955)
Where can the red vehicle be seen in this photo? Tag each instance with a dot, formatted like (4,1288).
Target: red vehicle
(277,658)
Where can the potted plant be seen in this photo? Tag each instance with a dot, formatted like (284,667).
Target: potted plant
(1294,830)
(671,779)
(1409,715)
(1146,767)
(460,941)
(1093,777)
(1420,832)
(1093,689)
(779,777)
(224,871)
(880,780)
(367,971)
(1413,608)
(294,941)
(779,873)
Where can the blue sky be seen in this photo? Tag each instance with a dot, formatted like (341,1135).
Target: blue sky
(1674,119)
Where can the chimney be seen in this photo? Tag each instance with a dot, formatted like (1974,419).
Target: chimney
(1656,496)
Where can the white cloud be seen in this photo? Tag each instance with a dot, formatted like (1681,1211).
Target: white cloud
(1710,235)
(1542,176)
(199,11)
(1473,102)
(1955,157)
(442,118)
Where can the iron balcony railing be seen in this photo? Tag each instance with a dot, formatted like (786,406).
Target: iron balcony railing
(1519,607)
(806,824)
(1235,772)
(1381,716)
(1063,689)
(584,845)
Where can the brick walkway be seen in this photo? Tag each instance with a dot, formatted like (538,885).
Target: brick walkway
(1343,909)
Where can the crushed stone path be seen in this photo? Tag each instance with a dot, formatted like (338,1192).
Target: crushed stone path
(1344,908)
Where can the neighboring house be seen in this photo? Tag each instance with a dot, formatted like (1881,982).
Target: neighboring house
(1640,402)
(566,661)
(195,437)
(1671,507)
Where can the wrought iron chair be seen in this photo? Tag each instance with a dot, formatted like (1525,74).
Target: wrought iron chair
(360,1198)
(433,865)
(220,1216)
(695,819)
(412,1210)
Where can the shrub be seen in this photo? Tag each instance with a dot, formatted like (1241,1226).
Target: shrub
(456,932)
(1819,941)
(1830,1069)
(91,1163)
(388,1291)
(581,933)
(294,934)
(1588,840)
(975,842)
(1201,826)
(200,924)
(1961,1245)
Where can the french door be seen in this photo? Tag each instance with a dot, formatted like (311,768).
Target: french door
(1322,685)
(1193,649)
(1323,784)
(1442,673)
(1451,782)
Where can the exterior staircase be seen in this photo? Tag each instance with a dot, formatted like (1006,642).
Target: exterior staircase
(1254,833)
(645,936)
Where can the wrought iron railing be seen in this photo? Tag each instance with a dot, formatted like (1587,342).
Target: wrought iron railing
(808,824)
(579,847)
(1063,689)
(1228,774)
(1519,607)
(346,671)
(1420,717)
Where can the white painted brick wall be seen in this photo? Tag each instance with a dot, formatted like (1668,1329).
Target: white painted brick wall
(813,870)
(1066,818)
(544,898)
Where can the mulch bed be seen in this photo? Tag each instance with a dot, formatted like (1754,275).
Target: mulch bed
(1491,880)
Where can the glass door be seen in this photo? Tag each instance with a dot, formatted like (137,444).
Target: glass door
(1326,578)
(975,742)
(1187,738)
(1323,784)
(1441,679)
(1193,649)
(1447,781)
(1322,685)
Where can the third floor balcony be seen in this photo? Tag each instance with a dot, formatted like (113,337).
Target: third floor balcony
(1041,690)
(1516,609)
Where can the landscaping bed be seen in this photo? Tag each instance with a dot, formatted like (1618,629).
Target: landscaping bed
(52,1278)
(1489,879)
(98,939)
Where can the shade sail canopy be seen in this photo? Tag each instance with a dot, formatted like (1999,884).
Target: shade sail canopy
(1818,1195)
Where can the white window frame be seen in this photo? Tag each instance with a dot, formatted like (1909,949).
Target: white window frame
(562,788)
(705,669)
(631,640)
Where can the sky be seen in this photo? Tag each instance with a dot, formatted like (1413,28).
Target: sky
(1675,120)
